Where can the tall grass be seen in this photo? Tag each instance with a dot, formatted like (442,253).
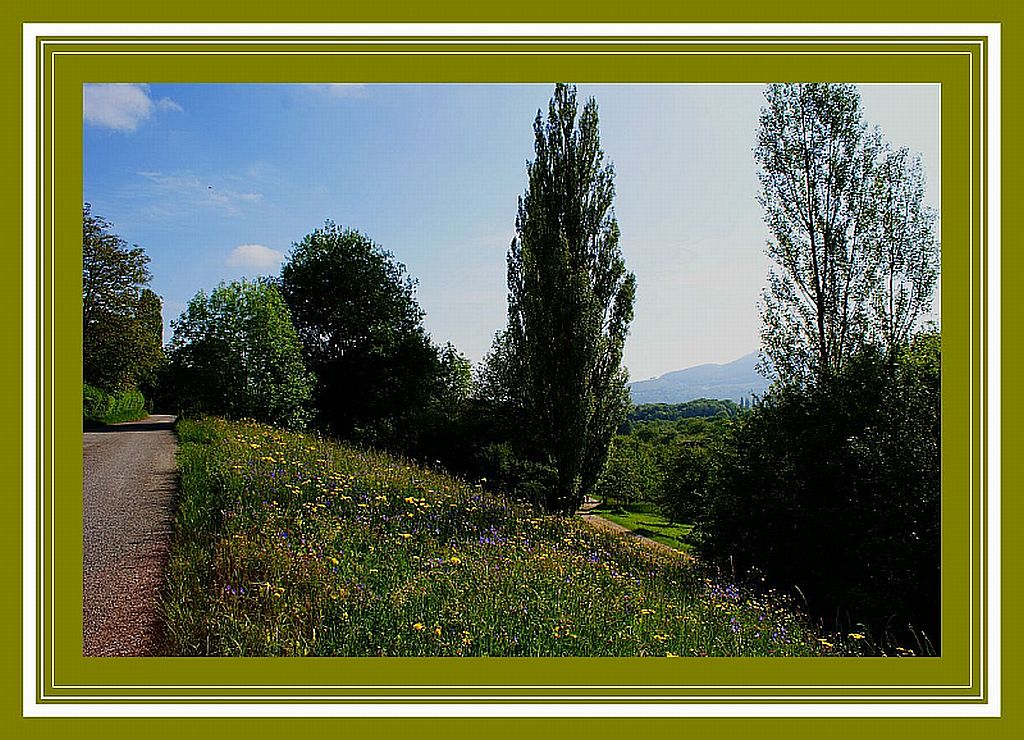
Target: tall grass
(288,544)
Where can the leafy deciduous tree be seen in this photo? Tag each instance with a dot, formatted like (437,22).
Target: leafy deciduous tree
(121,322)
(362,335)
(630,474)
(235,353)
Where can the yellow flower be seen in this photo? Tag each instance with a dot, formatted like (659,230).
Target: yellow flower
(455,561)
(404,535)
(825,643)
(437,631)
(418,626)
(856,635)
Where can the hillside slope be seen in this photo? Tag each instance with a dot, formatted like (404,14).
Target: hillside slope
(288,544)
(730,381)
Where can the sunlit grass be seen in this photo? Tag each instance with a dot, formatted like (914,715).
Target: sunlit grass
(651,525)
(289,544)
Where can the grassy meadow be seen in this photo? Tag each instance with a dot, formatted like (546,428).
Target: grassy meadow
(289,544)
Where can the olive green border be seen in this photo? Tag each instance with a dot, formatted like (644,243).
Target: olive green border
(69,677)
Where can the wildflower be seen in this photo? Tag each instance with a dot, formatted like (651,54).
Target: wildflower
(418,627)
(437,631)
(825,643)
(856,636)
(404,535)
(455,561)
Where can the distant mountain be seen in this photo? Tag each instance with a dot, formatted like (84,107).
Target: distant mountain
(731,381)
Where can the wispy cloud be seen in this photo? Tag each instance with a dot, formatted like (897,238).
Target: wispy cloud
(187,189)
(254,256)
(340,90)
(122,106)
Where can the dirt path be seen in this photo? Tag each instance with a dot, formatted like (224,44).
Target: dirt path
(606,525)
(129,483)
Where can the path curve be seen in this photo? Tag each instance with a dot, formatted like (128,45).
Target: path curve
(586,513)
(129,484)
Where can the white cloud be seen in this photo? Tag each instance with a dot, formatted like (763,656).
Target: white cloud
(189,191)
(255,256)
(166,104)
(342,90)
(121,106)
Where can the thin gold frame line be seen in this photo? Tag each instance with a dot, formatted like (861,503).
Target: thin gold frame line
(971,215)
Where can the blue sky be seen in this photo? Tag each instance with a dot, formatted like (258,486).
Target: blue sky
(217,181)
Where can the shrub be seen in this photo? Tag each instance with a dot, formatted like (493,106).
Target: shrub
(100,407)
(834,489)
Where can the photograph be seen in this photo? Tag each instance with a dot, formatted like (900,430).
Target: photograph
(512,370)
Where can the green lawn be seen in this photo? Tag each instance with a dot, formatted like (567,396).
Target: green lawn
(649,524)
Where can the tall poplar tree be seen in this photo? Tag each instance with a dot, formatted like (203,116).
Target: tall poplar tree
(817,167)
(570,302)
(855,258)
(906,251)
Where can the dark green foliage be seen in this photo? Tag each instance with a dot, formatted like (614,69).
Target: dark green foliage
(631,473)
(833,488)
(235,353)
(121,322)
(682,453)
(100,407)
(570,306)
(684,492)
(362,336)
(831,484)
(439,430)
(699,407)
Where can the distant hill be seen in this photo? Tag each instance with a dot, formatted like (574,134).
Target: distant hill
(731,381)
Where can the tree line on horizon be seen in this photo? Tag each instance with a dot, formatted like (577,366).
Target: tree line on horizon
(829,484)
